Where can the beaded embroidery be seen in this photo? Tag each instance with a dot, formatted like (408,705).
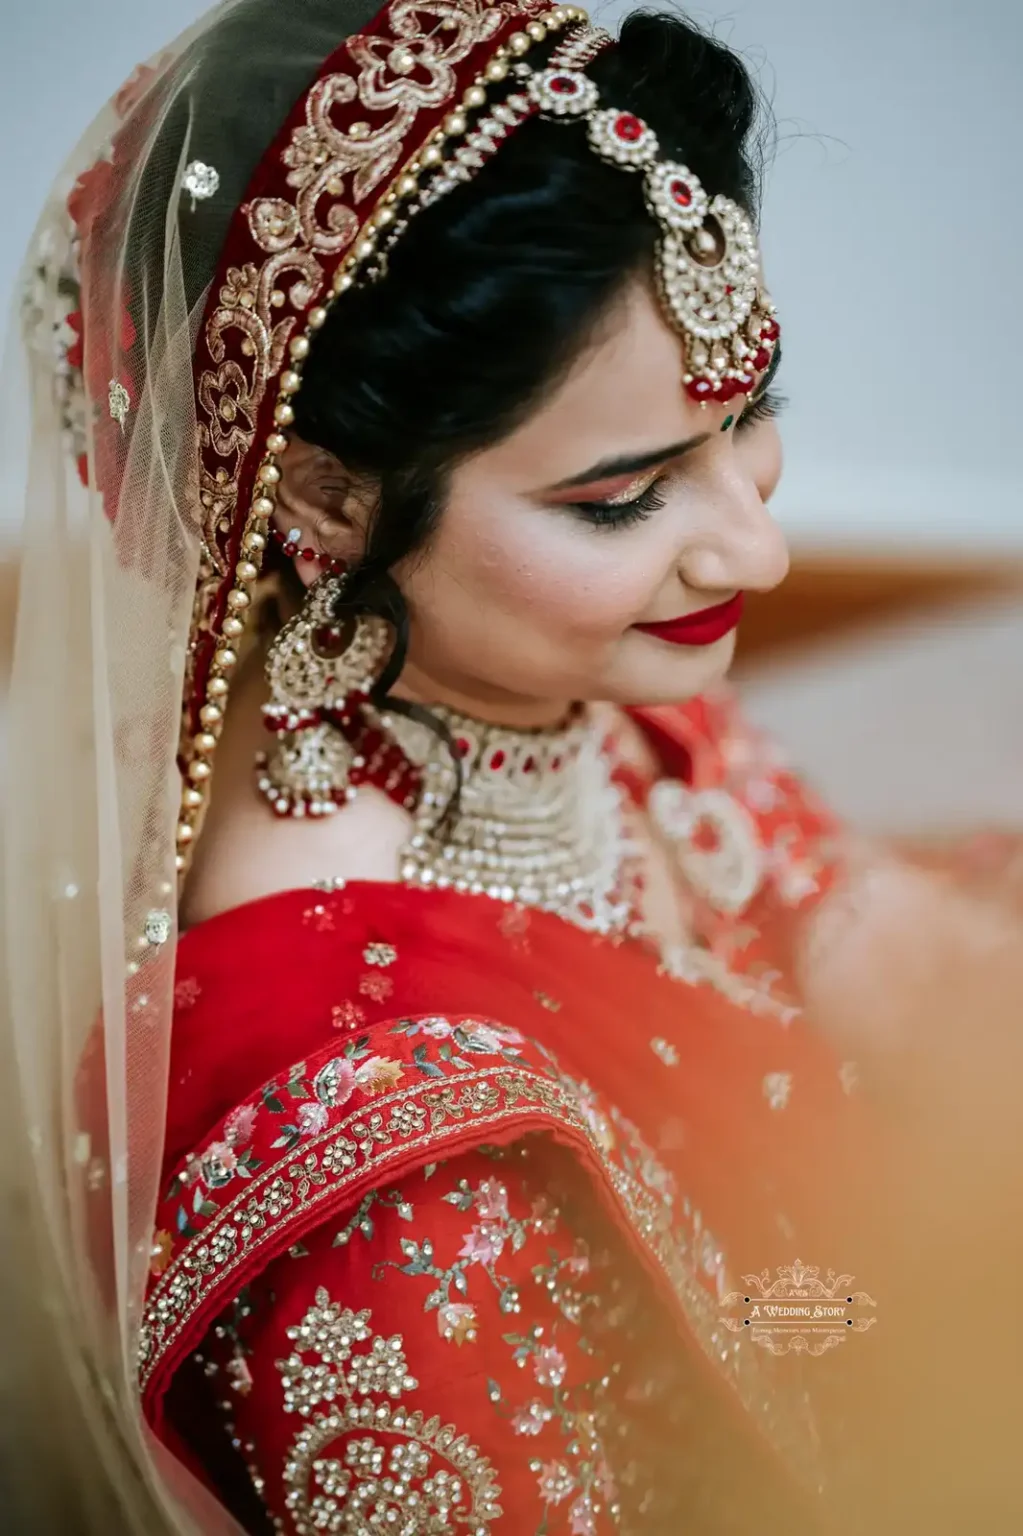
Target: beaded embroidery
(424,1477)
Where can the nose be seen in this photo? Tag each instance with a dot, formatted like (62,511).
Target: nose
(738,544)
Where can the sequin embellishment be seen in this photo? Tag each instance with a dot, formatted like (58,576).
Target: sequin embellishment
(158,927)
(431,1479)
(200,181)
(120,403)
(777,1088)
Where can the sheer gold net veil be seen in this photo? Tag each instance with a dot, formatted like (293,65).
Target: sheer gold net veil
(100,422)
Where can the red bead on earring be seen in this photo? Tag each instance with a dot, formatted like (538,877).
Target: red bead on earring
(290,545)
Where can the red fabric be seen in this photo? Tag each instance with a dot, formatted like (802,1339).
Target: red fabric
(515,1330)
(313,1029)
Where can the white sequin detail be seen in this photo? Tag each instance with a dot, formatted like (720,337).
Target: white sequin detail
(777,1088)
(200,181)
(158,927)
(120,403)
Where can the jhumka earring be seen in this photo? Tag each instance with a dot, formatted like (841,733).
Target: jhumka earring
(318,672)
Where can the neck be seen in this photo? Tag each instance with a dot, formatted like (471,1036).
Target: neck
(492,706)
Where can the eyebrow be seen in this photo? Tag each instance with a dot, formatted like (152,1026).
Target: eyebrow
(629,464)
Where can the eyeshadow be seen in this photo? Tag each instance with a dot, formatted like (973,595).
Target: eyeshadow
(635,488)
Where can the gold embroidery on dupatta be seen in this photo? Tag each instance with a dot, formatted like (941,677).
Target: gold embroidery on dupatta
(359,1148)
(286,1190)
(325,164)
(340,1365)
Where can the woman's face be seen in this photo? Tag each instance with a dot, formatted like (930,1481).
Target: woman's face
(619,503)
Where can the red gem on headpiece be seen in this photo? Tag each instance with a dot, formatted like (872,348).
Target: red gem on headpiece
(462,746)
(628,128)
(497,761)
(761,358)
(681,193)
(699,389)
(564,85)
(744,386)
(726,389)
(770,330)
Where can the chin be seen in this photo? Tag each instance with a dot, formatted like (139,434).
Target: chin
(671,674)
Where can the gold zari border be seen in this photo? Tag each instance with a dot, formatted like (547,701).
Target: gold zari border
(357,1150)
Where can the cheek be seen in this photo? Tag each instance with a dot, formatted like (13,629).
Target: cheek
(548,568)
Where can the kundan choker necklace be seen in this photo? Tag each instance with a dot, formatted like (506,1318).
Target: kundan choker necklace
(528,817)
(537,821)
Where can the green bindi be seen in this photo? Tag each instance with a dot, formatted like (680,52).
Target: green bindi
(727,423)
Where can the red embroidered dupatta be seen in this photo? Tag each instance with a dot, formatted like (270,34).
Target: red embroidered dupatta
(327,1043)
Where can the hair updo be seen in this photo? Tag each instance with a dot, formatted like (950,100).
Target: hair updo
(491,293)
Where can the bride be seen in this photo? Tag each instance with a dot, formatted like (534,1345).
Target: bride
(391,505)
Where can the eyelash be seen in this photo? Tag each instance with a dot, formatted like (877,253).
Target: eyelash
(622,514)
(769,405)
(626,514)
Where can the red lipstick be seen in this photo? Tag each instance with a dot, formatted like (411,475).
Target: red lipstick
(701,628)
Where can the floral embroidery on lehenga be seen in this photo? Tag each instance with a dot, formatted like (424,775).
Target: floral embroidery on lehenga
(569,1408)
(358,1463)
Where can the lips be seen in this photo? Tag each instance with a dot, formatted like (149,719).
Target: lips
(701,628)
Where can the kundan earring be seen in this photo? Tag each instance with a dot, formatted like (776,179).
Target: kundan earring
(319,671)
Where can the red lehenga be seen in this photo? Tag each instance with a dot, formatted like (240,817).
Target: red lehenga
(456,1193)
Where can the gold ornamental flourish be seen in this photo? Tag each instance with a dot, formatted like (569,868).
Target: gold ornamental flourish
(798,1312)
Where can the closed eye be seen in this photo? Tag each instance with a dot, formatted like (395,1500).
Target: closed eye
(621,514)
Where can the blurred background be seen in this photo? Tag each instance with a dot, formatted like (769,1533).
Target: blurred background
(891,662)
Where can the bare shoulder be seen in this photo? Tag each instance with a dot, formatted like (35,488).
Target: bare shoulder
(246,852)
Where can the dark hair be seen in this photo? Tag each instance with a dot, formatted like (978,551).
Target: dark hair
(492,291)
(489,295)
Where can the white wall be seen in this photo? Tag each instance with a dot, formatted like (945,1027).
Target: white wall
(893,230)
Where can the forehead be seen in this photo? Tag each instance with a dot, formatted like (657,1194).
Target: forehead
(623,395)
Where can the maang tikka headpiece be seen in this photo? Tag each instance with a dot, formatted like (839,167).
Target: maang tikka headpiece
(708,264)
(708,261)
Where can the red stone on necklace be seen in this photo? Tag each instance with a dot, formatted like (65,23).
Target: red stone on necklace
(628,127)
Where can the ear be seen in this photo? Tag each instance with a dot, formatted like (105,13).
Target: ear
(320,509)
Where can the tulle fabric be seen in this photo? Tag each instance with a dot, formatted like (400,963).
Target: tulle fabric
(112,292)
